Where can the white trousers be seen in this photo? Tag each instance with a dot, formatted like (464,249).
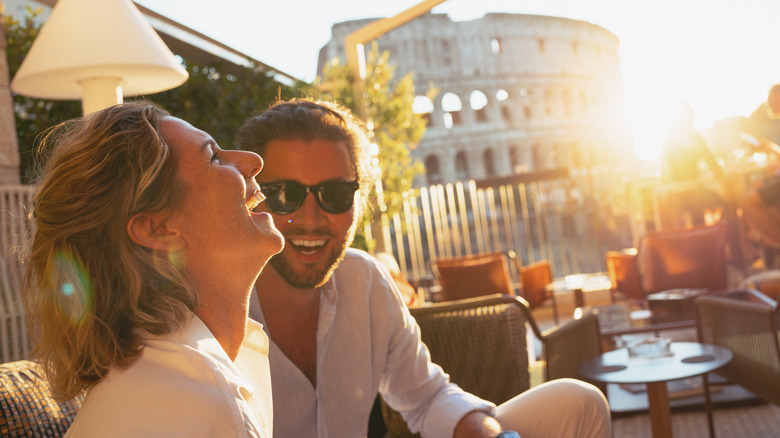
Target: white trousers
(563,408)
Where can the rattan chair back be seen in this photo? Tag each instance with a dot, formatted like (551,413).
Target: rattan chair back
(746,323)
(480,343)
(569,345)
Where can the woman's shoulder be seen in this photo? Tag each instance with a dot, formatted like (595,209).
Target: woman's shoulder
(161,389)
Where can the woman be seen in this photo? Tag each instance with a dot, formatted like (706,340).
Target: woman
(144,254)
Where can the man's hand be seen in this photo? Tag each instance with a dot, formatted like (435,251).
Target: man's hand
(477,424)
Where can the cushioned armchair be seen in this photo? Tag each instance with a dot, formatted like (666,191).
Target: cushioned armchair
(26,406)
(692,258)
(747,323)
(534,279)
(569,345)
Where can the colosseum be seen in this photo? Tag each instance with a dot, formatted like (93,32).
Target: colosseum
(517,93)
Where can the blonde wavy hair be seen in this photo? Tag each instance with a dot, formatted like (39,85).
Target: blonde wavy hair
(91,291)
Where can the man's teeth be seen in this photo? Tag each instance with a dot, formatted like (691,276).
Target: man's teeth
(308,243)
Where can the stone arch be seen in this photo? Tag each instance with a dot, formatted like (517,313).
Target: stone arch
(495,46)
(451,105)
(489,162)
(549,102)
(424,106)
(433,169)
(478,101)
(461,165)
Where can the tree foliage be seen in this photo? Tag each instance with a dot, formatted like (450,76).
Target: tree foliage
(211,100)
(218,103)
(395,128)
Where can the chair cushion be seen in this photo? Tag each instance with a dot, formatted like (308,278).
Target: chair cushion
(473,276)
(27,408)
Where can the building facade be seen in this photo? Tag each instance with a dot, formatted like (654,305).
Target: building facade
(517,93)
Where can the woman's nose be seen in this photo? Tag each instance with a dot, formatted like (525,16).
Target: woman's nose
(248,163)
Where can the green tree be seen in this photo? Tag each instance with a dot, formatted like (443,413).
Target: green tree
(394,127)
(218,103)
(211,100)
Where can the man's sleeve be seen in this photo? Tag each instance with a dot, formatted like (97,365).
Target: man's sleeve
(418,389)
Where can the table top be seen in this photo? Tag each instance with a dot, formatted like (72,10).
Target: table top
(689,359)
(619,319)
(585,282)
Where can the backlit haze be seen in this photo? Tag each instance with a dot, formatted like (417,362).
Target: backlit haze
(719,55)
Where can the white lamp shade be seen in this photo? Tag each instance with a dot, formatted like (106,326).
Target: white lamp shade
(88,39)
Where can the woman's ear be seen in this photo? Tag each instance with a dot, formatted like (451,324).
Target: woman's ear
(150,231)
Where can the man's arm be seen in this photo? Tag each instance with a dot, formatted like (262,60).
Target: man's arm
(410,383)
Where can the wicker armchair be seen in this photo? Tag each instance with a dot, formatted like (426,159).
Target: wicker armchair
(480,343)
(569,345)
(747,323)
(26,406)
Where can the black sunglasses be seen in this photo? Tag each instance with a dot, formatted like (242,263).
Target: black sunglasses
(285,197)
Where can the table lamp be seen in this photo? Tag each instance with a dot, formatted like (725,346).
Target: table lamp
(96,51)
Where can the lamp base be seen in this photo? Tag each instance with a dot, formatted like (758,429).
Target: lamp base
(99,93)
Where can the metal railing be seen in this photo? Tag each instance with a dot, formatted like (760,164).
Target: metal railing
(571,221)
(14,235)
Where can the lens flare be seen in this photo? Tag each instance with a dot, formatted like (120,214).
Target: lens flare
(73,287)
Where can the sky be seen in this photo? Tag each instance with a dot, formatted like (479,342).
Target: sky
(721,56)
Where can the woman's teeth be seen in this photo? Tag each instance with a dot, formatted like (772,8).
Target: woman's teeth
(255,200)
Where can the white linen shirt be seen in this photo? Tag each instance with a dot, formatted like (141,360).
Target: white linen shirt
(184,385)
(366,342)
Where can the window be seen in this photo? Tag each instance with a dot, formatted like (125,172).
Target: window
(433,170)
(451,105)
(423,105)
(549,101)
(506,113)
(461,166)
(514,159)
(478,102)
(538,156)
(490,165)
(495,46)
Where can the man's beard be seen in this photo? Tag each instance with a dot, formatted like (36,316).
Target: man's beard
(312,277)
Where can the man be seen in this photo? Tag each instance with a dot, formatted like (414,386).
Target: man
(764,122)
(339,330)
(760,205)
(687,193)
